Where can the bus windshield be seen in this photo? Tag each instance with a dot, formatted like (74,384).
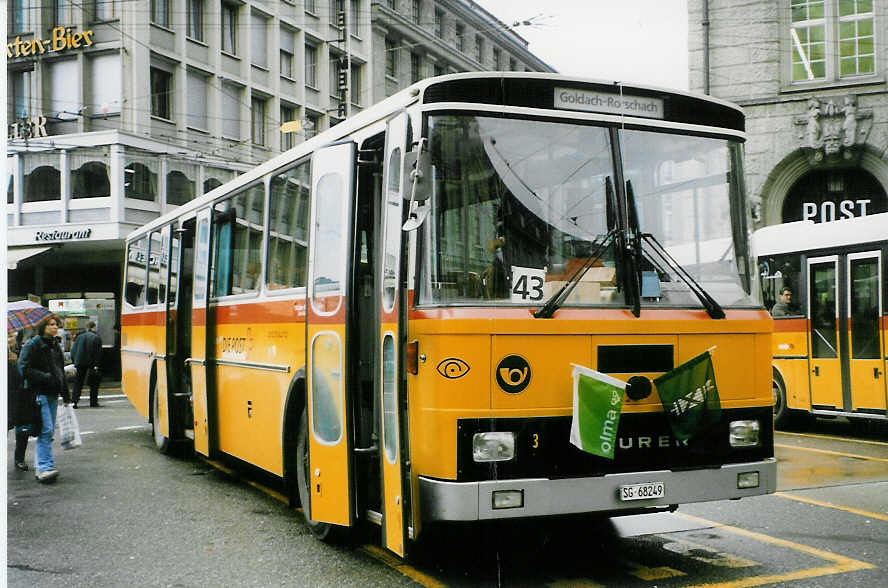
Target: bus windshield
(519,205)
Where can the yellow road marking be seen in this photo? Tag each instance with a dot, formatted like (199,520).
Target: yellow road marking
(828,452)
(833,438)
(393,562)
(842,564)
(851,509)
(646,573)
(687,548)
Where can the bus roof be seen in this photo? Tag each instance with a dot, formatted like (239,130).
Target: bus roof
(808,236)
(419,92)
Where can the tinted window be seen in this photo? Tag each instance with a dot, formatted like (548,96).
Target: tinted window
(288,228)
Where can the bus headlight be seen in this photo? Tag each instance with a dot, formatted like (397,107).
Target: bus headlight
(493,446)
(744,433)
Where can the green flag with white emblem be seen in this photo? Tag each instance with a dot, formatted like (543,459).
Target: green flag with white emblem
(690,396)
(597,402)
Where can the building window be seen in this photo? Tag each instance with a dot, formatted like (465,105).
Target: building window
(105,81)
(140,180)
(231,103)
(311,66)
(354,20)
(181,182)
(460,37)
(439,23)
(62,12)
(439,70)
(392,4)
(417,12)
(355,84)
(513,65)
(161,93)
(89,180)
(103,10)
(258,41)
(258,121)
(310,7)
(21,94)
(391,58)
(287,54)
(229,28)
(479,49)
(312,125)
(831,39)
(288,113)
(497,58)
(195,20)
(160,12)
(21,16)
(42,177)
(64,84)
(415,67)
(197,101)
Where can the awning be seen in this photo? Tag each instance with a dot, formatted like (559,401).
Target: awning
(16,254)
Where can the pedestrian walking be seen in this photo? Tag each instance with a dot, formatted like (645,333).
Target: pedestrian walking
(21,405)
(43,366)
(86,353)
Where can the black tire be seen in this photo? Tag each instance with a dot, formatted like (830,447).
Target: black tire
(162,442)
(782,415)
(324,531)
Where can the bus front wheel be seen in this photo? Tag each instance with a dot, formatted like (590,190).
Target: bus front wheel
(323,531)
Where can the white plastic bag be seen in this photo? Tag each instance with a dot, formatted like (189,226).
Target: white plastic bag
(69,428)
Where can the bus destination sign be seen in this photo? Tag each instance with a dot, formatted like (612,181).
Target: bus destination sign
(587,101)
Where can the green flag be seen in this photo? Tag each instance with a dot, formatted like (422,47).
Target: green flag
(597,401)
(690,396)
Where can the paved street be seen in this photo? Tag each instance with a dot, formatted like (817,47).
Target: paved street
(123,514)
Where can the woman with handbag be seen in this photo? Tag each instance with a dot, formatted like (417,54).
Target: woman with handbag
(24,413)
(43,366)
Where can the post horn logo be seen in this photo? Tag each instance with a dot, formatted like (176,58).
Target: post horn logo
(513,374)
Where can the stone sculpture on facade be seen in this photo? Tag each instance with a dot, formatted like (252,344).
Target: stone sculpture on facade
(834,130)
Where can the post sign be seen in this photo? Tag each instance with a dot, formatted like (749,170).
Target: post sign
(829,210)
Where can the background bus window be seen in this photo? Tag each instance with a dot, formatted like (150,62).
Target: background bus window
(823,311)
(155,255)
(237,234)
(288,228)
(136,257)
(865,308)
(778,272)
(326,388)
(328,255)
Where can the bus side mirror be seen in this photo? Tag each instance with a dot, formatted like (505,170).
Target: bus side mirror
(418,167)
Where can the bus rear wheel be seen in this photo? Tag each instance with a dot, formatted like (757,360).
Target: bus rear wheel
(161,441)
(323,531)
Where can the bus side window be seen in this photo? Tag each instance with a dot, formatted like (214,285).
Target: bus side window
(136,258)
(238,232)
(288,228)
(156,291)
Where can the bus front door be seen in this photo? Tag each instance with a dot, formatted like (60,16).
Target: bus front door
(866,344)
(823,333)
(330,468)
(389,385)
(199,335)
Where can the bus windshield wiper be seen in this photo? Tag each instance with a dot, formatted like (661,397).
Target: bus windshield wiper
(709,303)
(557,299)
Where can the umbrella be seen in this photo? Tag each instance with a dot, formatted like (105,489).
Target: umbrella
(23,318)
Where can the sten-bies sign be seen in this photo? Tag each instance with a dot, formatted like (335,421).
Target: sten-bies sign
(61,39)
(587,101)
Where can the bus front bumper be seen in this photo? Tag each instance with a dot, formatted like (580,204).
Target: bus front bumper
(442,500)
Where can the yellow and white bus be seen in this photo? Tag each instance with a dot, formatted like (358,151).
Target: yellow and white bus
(385,317)
(829,330)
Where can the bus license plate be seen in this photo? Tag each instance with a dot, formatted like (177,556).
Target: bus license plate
(643,491)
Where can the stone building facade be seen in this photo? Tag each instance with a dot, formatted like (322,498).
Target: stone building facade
(811,78)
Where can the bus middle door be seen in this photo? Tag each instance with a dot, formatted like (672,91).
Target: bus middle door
(332,230)
(823,330)
(867,366)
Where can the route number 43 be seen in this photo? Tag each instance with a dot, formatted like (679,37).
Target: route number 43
(527,284)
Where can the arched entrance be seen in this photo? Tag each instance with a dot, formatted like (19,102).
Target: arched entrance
(828,195)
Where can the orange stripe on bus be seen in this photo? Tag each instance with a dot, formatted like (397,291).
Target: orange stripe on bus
(153,318)
(794,325)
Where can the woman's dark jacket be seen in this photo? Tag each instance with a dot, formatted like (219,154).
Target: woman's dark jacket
(43,366)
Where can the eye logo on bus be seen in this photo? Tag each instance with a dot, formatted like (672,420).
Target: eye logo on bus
(453,368)
(513,374)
